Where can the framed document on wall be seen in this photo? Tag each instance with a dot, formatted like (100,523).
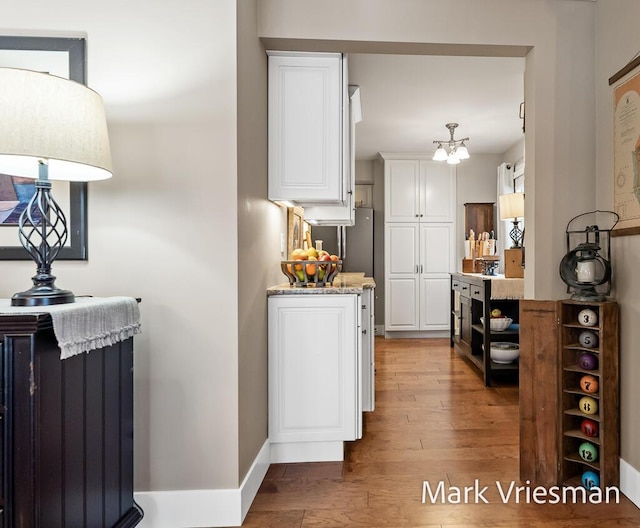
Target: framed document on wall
(626,148)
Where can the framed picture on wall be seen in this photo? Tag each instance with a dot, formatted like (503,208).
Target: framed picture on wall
(63,57)
(295,234)
(626,148)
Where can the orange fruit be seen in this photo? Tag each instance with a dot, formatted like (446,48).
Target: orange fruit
(311,268)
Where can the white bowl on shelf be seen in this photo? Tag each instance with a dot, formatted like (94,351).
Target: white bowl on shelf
(498,324)
(504,353)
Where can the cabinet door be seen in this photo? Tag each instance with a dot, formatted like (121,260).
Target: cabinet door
(313,368)
(539,390)
(334,215)
(401,284)
(436,262)
(434,303)
(465,321)
(437,249)
(368,355)
(401,303)
(402,184)
(305,128)
(437,192)
(401,249)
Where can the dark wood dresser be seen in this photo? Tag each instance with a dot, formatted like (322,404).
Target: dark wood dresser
(66,451)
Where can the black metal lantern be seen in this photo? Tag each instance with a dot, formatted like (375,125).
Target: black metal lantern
(586,268)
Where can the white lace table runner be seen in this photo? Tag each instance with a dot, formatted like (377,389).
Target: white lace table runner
(87,324)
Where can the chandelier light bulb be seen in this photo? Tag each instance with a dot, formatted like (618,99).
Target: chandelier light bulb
(453,159)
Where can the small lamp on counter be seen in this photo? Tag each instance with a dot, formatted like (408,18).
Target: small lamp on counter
(51,128)
(586,268)
(512,208)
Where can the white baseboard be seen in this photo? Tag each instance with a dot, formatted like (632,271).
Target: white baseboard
(630,482)
(290,452)
(204,508)
(427,334)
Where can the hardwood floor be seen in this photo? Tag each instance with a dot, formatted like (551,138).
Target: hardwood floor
(436,422)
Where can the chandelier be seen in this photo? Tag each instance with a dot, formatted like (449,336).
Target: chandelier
(457,149)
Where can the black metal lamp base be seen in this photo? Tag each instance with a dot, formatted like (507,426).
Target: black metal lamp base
(42,232)
(36,297)
(516,235)
(43,293)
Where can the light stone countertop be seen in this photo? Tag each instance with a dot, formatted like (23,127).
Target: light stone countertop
(343,283)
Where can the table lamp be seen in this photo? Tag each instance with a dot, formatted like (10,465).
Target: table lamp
(512,208)
(51,128)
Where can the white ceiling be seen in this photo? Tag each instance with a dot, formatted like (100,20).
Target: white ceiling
(408,99)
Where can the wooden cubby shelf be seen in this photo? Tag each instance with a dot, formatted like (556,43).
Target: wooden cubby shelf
(576,433)
(607,442)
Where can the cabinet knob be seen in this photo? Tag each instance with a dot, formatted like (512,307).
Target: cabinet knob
(476,292)
(464,287)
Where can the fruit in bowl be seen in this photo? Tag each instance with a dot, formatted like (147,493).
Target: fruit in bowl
(310,267)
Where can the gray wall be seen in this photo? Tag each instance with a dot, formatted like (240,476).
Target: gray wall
(260,223)
(618,42)
(164,228)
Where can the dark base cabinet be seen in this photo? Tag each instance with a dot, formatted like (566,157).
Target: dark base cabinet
(67,431)
(471,299)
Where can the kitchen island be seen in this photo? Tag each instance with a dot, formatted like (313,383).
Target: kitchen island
(321,367)
(474,296)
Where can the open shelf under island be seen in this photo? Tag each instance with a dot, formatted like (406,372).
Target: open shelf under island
(473,296)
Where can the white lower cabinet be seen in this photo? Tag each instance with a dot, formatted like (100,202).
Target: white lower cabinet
(368,351)
(316,372)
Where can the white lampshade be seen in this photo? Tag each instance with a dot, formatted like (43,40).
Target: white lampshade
(462,152)
(44,117)
(440,154)
(511,206)
(453,159)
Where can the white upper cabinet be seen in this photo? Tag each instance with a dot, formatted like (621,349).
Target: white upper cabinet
(308,128)
(334,215)
(419,191)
